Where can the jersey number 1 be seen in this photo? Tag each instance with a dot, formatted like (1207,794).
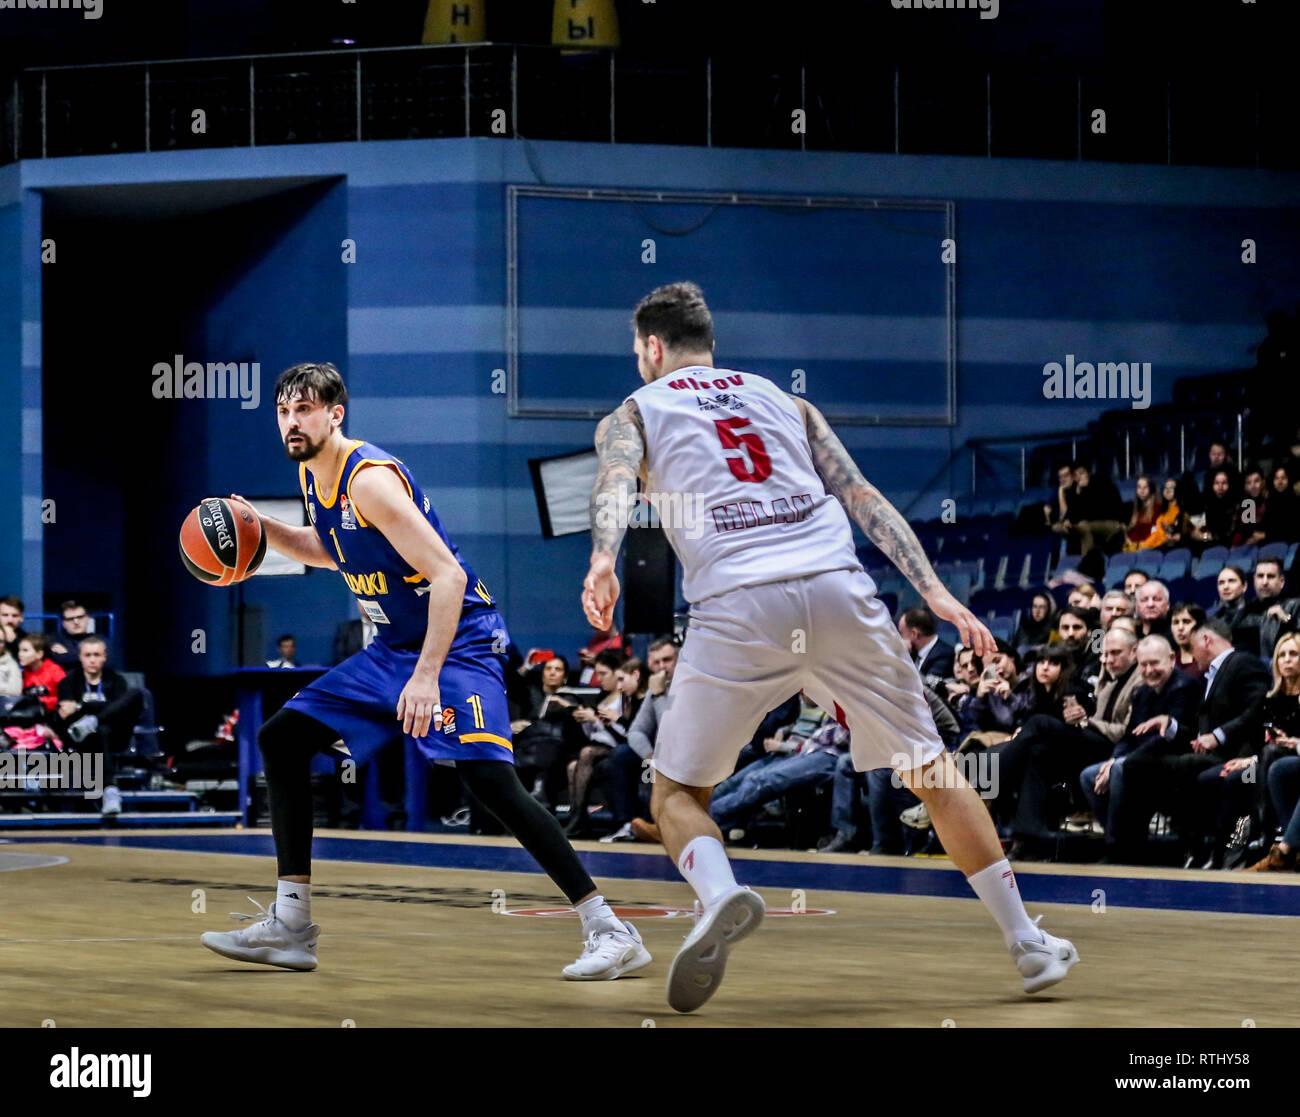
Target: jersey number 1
(762,464)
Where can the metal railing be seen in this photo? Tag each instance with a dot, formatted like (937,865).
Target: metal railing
(603,95)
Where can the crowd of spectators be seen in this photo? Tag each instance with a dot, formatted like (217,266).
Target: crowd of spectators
(58,693)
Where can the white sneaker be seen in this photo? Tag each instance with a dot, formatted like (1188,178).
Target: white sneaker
(697,970)
(917,817)
(268,941)
(1043,963)
(112,802)
(609,954)
(622,834)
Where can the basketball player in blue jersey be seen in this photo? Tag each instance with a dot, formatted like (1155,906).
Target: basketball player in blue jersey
(434,672)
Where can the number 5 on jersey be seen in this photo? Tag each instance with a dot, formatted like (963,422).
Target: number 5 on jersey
(760,464)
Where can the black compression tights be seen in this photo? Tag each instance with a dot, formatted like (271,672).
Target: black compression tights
(289,739)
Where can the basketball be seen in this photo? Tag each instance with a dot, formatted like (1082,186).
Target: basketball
(222,541)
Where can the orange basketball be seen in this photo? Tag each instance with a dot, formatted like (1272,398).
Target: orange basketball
(222,541)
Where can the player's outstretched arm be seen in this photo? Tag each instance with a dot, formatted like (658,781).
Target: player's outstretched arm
(885,526)
(620,444)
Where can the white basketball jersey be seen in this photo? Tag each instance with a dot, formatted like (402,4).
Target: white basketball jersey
(732,476)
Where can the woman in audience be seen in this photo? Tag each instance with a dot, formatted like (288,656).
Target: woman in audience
(1231,584)
(1170,524)
(1283,508)
(41,676)
(545,733)
(1280,764)
(1084,596)
(987,718)
(1220,512)
(1183,619)
(595,723)
(1147,508)
(1037,623)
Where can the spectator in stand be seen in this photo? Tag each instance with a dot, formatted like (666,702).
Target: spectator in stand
(932,656)
(11,622)
(1165,691)
(1170,524)
(1219,512)
(1263,620)
(544,730)
(986,717)
(1283,509)
(98,710)
(774,721)
(1058,514)
(1280,763)
(1153,609)
(1094,510)
(1132,580)
(1147,508)
(41,676)
(631,679)
(1076,629)
(594,723)
(74,626)
(807,754)
(1248,526)
(1115,604)
(1219,462)
(1047,689)
(1084,596)
(609,640)
(1165,771)
(626,788)
(1184,618)
(1231,584)
(288,649)
(1055,750)
(966,668)
(11,675)
(1036,623)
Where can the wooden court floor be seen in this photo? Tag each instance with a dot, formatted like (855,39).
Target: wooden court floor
(109,938)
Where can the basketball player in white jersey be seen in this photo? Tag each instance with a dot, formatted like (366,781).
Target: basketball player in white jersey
(779,603)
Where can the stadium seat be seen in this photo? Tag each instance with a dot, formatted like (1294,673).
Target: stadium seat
(1125,561)
(1242,556)
(1150,561)
(1275,551)
(1176,564)
(1002,626)
(1067,563)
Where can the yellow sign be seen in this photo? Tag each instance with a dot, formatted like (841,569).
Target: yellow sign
(584,23)
(455,21)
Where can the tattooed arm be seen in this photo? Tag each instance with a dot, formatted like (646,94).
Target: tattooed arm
(620,444)
(884,525)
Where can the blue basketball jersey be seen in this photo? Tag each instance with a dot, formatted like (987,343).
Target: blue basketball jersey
(391,593)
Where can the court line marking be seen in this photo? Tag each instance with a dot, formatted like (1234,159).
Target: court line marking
(42,861)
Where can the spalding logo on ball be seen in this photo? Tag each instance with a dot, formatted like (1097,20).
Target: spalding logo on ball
(222,541)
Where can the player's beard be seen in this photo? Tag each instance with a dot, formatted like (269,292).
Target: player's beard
(304,451)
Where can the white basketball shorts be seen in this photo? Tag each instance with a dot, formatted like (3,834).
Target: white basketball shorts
(749,649)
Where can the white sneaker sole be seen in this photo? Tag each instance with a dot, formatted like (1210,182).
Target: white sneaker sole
(697,969)
(264,955)
(634,959)
(1065,958)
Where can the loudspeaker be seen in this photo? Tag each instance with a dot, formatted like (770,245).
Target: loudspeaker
(649,582)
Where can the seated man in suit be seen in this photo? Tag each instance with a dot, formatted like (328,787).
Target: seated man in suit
(98,710)
(1228,726)
(1060,749)
(1164,690)
(933,657)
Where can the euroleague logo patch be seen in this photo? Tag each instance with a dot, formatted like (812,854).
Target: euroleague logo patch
(449,719)
(655,912)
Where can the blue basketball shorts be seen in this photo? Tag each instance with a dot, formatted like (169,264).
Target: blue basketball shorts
(358,698)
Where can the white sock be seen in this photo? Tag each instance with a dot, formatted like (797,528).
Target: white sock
(996,886)
(705,866)
(597,915)
(293,904)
